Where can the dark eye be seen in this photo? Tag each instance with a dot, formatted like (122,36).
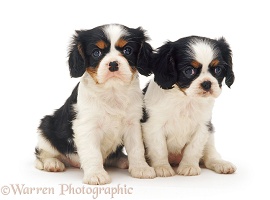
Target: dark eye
(189,72)
(218,70)
(127,51)
(96,53)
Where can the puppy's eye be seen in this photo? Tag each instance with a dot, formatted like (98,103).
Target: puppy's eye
(127,51)
(218,70)
(96,53)
(189,72)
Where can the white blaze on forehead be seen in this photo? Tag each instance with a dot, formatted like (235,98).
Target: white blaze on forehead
(114,33)
(202,51)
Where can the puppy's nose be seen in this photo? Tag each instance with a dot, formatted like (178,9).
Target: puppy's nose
(206,85)
(113,66)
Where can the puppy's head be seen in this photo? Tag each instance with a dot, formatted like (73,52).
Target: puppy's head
(110,52)
(196,65)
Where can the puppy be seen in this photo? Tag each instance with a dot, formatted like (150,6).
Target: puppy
(104,110)
(179,102)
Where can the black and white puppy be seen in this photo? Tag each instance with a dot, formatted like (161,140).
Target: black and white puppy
(179,102)
(104,110)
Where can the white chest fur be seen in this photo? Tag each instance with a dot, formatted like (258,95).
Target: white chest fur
(181,115)
(106,111)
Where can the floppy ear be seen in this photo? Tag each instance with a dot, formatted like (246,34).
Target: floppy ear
(76,61)
(145,53)
(164,67)
(144,59)
(227,57)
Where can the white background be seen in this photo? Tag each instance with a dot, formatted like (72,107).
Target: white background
(34,40)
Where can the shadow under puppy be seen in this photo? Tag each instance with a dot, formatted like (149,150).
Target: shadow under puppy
(179,102)
(104,110)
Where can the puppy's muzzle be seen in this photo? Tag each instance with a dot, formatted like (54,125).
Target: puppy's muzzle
(113,66)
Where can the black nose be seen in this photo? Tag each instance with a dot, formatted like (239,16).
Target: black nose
(113,66)
(206,85)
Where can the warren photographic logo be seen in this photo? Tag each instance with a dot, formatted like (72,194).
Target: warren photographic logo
(67,189)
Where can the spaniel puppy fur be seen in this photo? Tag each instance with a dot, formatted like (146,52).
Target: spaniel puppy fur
(104,110)
(179,102)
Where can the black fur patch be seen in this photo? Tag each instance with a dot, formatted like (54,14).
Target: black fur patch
(37,153)
(117,154)
(145,115)
(145,88)
(57,128)
(210,127)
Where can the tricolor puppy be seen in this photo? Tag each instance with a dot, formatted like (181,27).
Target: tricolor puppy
(104,110)
(179,102)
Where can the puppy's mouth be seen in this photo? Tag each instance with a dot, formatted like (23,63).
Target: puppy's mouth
(117,75)
(211,93)
(200,92)
(204,93)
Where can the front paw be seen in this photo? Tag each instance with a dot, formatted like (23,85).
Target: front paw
(223,167)
(50,165)
(142,172)
(164,171)
(188,170)
(97,178)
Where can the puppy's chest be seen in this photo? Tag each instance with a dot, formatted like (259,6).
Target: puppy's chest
(112,136)
(184,121)
(113,110)
(114,102)
(114,118)
(189,113)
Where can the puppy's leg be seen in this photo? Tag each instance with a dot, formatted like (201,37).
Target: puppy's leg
(133,142)
(213,161)
(47,157)
(117,159)
(189,165)
(157,153)
(87,140)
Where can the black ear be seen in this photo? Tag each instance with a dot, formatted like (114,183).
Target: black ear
(145,53)
(144,59)
(76,61)
(164,67)
(227,57)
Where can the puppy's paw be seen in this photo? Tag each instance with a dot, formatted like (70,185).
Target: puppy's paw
(188,170)
(223,167)
(142,172)
(39,165)
(164,171)
(50,165)
(97,178)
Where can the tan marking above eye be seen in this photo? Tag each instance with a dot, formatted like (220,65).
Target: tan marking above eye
(101,44)
(214,63)
(196,64)
(121,43)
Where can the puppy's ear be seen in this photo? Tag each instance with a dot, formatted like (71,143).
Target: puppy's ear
(145,53)
(227,57)
(76,61)
(144,59)
(164,66)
